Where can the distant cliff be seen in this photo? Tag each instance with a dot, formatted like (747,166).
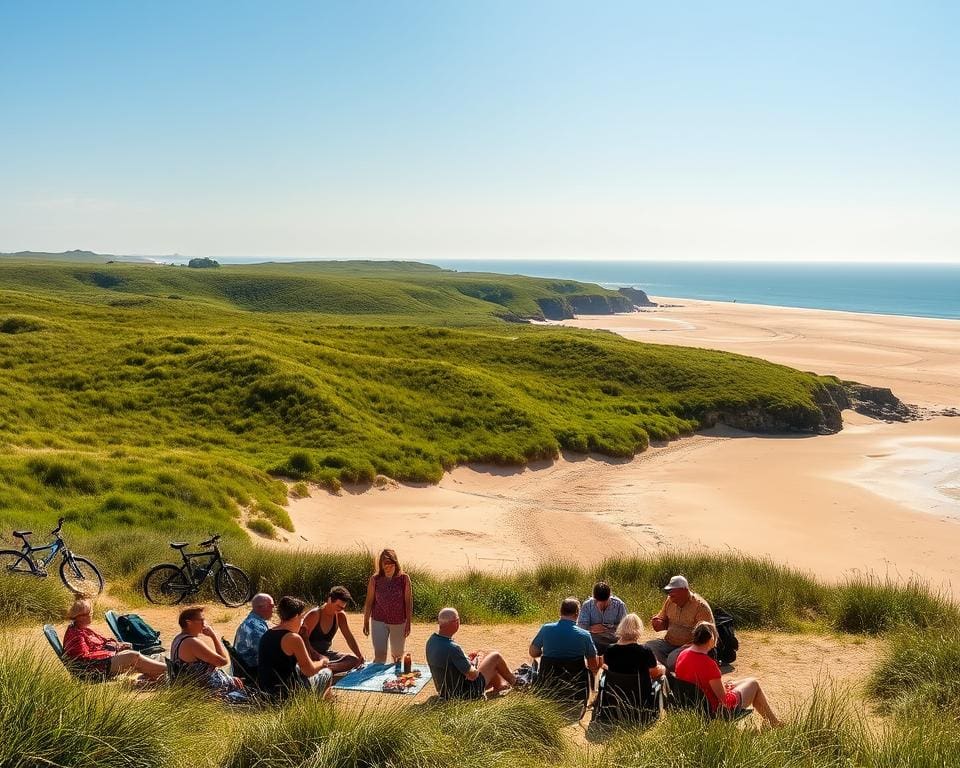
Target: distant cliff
(832,398)
(566,307)
(638,298)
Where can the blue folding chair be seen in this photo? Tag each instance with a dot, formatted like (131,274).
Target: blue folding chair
(90,672)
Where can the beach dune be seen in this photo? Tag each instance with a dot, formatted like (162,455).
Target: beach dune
(876,496)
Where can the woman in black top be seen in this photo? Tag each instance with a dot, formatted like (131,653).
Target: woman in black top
(629,657)
(320,640)
(282,651)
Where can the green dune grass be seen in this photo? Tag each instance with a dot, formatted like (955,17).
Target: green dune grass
(168,398)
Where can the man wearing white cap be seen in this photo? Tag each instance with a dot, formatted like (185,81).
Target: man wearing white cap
(681,612)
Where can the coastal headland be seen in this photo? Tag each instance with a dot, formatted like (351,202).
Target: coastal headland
(883,497)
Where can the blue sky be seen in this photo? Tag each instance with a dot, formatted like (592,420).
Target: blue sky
(489,129)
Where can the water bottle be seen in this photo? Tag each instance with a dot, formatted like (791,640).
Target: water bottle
(396,665)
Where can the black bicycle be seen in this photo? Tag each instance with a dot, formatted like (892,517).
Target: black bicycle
(77,573)
(169,584)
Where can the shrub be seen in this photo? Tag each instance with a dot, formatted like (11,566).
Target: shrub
(262,526)
(48,718)
(299,465)
(29,599)
(20,324)
(869,605)
(919,668)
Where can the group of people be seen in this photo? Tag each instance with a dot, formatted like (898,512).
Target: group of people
(297,651)
(601,634)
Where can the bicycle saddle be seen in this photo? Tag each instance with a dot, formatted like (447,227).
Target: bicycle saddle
(179,544)
(21,534)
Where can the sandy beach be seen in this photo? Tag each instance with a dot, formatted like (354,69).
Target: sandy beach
(876,496)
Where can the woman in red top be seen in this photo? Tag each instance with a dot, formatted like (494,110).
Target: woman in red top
(93,652)
(388,607)
(695,666)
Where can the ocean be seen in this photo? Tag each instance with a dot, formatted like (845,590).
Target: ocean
(922,290)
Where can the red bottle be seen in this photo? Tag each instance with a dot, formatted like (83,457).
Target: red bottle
(407,664)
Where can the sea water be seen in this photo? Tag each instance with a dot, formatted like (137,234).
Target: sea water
(923,289)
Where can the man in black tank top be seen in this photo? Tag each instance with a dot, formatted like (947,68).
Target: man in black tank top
(284,663)
(320,626)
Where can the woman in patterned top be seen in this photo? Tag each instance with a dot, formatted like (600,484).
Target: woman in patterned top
(388,608)
(93,654)
(198,654)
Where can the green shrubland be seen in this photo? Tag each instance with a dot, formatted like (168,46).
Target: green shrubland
(121,407)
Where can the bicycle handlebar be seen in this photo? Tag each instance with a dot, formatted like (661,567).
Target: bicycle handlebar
(211,541)
(56,530)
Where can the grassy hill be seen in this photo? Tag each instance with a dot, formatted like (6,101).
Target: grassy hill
(165,396)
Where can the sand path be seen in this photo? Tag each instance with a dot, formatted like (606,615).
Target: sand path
(883,497)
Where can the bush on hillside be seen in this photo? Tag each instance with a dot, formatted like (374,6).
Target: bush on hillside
(20,324)
(919,669)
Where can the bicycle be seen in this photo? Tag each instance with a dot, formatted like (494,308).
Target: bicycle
(77,573)
(169,584)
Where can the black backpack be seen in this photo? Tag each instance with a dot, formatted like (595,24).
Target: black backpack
(727,643)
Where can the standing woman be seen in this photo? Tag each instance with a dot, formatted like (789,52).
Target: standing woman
(389,604)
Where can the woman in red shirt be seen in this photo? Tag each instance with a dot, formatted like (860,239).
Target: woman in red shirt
(94,653)
(695,666)
(389,605)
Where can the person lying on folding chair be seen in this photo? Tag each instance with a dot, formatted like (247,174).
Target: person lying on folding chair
(86,649)
(694,665)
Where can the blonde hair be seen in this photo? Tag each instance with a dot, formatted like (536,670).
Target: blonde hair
(80,605)
(630,627)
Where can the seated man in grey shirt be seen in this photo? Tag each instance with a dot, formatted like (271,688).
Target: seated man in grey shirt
(600,615)
(458,676)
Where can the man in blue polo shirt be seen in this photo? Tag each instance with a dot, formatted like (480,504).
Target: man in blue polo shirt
(563,640)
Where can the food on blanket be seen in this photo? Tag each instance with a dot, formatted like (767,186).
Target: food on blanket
(402,683)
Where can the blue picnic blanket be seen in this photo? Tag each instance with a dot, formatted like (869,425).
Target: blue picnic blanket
(371,677)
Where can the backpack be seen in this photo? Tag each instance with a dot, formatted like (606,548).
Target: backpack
(727,643)
(139,634)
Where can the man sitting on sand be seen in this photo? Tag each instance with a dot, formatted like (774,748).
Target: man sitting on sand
(601,615)
(681,612)
(247,640)
(563,640)
(458,676)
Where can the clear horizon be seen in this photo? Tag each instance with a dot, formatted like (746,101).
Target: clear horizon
(424,130)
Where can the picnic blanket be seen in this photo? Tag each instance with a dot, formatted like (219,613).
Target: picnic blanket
(371,677)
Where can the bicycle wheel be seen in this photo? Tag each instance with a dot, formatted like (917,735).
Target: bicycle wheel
(232,586)
(81,576)
(15,562)
(165,585)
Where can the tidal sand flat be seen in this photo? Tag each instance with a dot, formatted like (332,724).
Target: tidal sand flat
(875,496)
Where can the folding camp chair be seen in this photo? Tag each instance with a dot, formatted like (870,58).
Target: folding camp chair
(564,680)
(239,669)
(113,621)
(620,698)
(95,673)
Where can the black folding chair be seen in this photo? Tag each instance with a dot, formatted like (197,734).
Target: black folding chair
(565,680)
(621,699)
(241,670)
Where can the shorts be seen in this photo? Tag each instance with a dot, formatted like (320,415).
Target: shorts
(319,682)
